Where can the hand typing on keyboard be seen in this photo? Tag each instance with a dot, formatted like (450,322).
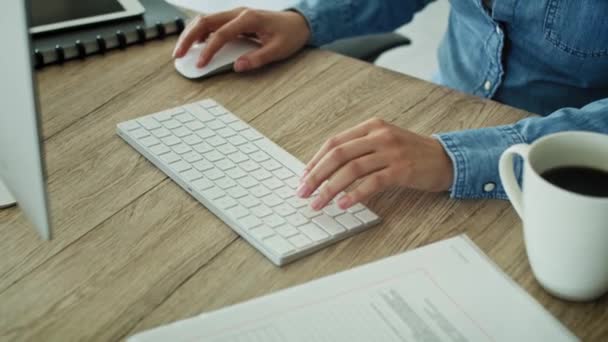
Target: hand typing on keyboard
(380,154)
(243,178)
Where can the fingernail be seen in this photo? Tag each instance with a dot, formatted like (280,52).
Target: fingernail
(174,52)
(344,202)
(303,190)
(241,65)
(316,204)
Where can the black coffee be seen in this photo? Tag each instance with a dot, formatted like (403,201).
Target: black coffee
(583,180)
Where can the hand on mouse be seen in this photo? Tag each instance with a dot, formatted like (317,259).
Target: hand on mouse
(381,155)
(281,34)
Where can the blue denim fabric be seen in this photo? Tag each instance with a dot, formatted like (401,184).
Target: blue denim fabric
(545,56)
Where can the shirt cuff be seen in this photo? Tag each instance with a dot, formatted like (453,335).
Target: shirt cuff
(475,154)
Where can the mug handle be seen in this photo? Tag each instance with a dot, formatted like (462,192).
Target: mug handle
(507,175)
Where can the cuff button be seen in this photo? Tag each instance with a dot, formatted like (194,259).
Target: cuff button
(488,187)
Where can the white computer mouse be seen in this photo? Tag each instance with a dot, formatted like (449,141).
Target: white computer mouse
(222,61)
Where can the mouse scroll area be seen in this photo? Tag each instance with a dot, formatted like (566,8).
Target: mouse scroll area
(222,61)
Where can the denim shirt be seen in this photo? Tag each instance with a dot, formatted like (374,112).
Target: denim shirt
(549,57)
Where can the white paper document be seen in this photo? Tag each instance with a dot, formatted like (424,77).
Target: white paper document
(446,291)
(212,6)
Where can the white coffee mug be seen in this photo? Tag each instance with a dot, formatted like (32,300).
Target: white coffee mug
(565,233)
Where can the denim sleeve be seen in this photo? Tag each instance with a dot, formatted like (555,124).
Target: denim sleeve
(332,20)
(475,153)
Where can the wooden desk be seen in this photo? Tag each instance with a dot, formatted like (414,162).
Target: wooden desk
(132,250)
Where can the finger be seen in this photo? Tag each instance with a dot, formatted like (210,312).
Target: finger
(332,161)
(372,184)
(243,23)
(257,58)
(346,176)
(199,29)
(353,133)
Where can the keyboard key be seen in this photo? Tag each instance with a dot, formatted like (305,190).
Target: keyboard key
(228,118)
(192,157)
(130,125)
(296,219)
(149,123)
(213,156)
(226,132)
(273,183)
(191,175)
(329,224)
(237,140)
(215,125)
(287,231)
(225,203)
(199,112)
(205,133)
(217,110)
(139,133)
(299,241)
(271,165)
(195,125)
(259,191)
(238,126)
(171,140)
(224,165)
(168,114)
(181,132)
(216,141)
(271,200)
(259,156)
(261,233)
(184,117)
(181,166)
(202,165)
(261,174)
(309,212)
(169,157)
(283,173)
(227,149)
(314,232)
(348,221)
(284,210)
(247,182)
(278,245)
(273,220)
(297,202)
(225,183)
(202,184)
(207,103)
(284,192)
(237,212)
(214,174)
(213,193)
(181,148)
(293,182)
(248,148)
(249,201)
(251,135)
(236,173)
(237,192)
(249,222)
(159,149)
(238,157)
(261,211)
(367,216)
(332,209)
(248,165)
(149,141)
(161,132)
(356,208)
(172,124)
(202,148)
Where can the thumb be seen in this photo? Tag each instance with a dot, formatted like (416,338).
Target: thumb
(257,58)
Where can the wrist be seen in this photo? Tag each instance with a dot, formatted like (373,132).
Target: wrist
(302,27)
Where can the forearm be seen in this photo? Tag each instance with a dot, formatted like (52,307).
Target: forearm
(331,20)
(475,153)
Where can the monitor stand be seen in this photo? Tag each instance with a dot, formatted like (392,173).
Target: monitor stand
(6,198)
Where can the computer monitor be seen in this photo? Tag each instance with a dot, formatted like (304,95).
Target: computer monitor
(22,168)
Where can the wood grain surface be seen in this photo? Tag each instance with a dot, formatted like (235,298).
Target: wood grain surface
(132,250)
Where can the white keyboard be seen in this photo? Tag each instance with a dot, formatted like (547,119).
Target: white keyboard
(243,178)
